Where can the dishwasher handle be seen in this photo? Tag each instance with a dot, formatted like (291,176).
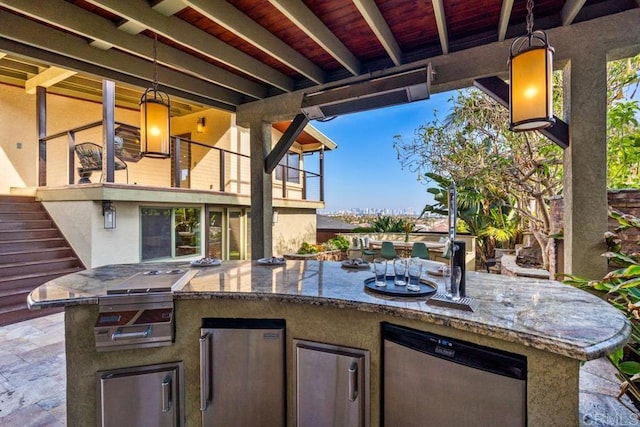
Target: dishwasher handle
(205,371)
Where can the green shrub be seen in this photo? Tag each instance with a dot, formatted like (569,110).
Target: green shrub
(339,242)
(307,248)
(621,288)
(363,230)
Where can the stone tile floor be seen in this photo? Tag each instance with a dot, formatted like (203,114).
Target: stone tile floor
(33,385)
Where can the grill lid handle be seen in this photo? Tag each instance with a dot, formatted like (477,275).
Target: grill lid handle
(120,335)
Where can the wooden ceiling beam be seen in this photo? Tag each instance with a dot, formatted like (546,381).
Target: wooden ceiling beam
(371,14)
(313,27)
(441,22)
(169,7)
(47,78)
(179,31)
(62,14)
(505,15)
(31,33)
(570,10)
(234,20)
(88,69)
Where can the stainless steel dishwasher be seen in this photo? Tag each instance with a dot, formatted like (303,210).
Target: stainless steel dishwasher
(242,368)
(430,380)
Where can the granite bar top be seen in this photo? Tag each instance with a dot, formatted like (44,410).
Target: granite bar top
(542,314)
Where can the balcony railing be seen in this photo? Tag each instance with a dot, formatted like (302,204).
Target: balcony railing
(193,164)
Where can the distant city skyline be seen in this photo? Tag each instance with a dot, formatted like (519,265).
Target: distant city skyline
(364,171)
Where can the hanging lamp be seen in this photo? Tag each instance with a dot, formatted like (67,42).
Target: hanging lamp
(155,117)
(531,83)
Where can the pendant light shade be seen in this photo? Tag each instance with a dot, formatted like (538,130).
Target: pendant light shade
(531,83)
(155,124)
(155,117)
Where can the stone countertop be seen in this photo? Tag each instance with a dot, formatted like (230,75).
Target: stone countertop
(542,314)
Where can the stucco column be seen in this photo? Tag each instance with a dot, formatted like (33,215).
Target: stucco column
(585,164)
(261,191)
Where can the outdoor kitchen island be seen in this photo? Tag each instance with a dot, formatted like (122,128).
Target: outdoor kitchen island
(552,325)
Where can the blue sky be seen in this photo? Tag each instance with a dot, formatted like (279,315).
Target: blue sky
(364,171)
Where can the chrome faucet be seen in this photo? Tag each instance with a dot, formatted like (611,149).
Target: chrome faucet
(452,202)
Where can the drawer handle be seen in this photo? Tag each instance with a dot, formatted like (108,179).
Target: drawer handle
(205,384)
(353,381)
(120,335)
(166,394)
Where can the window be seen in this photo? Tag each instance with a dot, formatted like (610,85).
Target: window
(169,232)
(290,163)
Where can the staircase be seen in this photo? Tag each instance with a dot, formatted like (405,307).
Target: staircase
(32,252)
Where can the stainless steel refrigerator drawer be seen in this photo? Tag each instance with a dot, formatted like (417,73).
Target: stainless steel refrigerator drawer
(141,396)
(331,385)
(242,368)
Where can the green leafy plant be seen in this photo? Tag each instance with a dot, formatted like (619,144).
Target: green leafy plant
(621,288)
(338,242)
(307,248)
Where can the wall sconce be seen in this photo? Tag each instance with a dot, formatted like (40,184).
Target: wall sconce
(531,83)
(274,217)
(200,125)
(109,214)
(155,117)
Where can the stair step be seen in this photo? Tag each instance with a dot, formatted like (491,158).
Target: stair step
(21,313)
(32,252)
(35,279)
(35,254)
(40,266)
(19,207)
(19,245)
(13,296)
(23,216)
(18,224)
(7,198)
(29,234)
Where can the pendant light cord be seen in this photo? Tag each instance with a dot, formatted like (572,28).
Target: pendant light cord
(529,17)
(155,62)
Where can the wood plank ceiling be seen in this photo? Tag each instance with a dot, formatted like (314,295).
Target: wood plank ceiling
(227,53)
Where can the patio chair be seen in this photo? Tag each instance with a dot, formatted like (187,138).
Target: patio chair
(90,157)
(388,251)
(419,250)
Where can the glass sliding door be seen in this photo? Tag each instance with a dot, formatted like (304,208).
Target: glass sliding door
(169,232)
(214,235)
(155,227)
(235,234)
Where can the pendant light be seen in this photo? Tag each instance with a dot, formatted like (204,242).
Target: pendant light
(155,117)
(531,84)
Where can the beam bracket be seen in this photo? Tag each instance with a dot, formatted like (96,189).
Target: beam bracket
(498,89)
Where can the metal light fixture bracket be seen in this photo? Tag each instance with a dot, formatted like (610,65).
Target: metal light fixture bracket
(530,76)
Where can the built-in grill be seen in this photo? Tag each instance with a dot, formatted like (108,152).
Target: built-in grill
(138,312)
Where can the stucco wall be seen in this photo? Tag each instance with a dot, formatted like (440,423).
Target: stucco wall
(552,379)
(82,224)
(18,166)
(294,226)
(17,126)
